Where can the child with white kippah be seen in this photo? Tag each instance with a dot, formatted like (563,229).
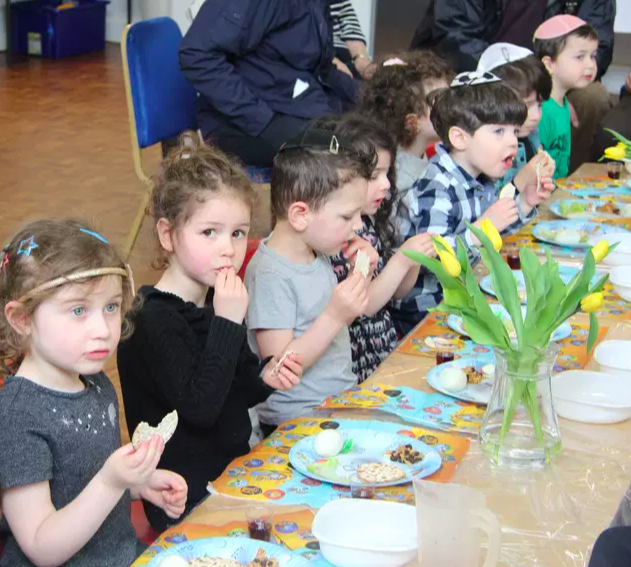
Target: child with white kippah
(567,46)
(520,70)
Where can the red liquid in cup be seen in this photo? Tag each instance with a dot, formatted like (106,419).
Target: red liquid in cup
(614,174)
(442,357)
(260,529)
(513,261)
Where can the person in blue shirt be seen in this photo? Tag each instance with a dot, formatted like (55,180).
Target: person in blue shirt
(262,69)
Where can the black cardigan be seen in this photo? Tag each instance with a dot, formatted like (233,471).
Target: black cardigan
(183,357)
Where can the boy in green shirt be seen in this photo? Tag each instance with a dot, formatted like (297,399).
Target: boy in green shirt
(567,47)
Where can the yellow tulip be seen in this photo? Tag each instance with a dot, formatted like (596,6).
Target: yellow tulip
(615,152)
(450,263)
(488,228)
(592,302)
(600,250)
(621,145)
(445,244)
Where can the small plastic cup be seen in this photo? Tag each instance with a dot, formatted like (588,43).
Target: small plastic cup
(512,258)
(614,169)
(260,523)
(445,350)
(361,490)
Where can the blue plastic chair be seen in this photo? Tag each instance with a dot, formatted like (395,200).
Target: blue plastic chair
(160,101)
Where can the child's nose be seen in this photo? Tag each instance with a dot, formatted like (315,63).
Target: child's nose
(100,329)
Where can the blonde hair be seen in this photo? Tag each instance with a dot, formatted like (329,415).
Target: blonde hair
(40,258)
(190,174)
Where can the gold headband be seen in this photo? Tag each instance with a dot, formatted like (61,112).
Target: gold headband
(79,276)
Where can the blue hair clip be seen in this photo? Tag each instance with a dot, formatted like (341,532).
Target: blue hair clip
(27,246)
(95,234)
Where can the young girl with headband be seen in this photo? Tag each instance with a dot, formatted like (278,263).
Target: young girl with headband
(189,350)
(66,481)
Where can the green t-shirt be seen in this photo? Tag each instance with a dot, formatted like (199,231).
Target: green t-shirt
(555,131)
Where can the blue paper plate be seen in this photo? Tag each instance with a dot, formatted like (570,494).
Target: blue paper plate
(454,322)
(240,549)
(546,231)
(589,209)
(474,393)
(368,447)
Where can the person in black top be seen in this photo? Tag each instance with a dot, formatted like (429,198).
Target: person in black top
(189,350)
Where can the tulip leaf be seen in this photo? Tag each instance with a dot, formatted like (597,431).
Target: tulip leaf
(600,284)
(578,290)
(593,331)
(504,283)
(463,257)
(619,137)
(479,331)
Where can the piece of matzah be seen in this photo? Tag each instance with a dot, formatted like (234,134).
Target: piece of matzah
(165,429)
(362,263)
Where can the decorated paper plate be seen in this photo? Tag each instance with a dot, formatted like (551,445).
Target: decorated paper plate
(574,233)
(583,208)
(561,332)
(566,273)
(368,447)
(242,551)
(477,393)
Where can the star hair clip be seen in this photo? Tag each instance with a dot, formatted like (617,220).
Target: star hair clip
(472,78)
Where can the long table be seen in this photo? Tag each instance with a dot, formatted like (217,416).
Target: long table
(549,518)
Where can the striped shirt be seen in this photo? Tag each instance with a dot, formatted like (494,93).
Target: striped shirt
(346,26)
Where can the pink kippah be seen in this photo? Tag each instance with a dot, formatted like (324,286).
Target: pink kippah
(558,26)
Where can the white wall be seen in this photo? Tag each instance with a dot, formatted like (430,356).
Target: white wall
(623,17)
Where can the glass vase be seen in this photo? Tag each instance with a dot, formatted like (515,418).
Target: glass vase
(520,428)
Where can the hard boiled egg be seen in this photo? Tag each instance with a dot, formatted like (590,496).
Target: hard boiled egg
(174,561)
(568,237)
(453,379)
(328,443)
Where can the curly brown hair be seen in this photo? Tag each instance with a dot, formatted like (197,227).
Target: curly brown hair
(395,91)
(191,173)
(43,251)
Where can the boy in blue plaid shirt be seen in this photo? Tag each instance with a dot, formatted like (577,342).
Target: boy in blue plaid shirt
(478,119)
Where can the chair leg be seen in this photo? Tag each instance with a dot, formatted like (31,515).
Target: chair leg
(136,226)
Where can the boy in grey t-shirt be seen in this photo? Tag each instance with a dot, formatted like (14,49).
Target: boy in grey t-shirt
(318,188)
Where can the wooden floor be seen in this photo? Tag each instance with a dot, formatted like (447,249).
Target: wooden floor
(65,152)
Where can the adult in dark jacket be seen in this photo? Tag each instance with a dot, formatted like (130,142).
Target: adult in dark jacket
(618,119)
(262,68)
(460,30)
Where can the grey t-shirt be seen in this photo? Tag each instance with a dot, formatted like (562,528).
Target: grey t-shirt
(284,295)
(410,169)
(64,438)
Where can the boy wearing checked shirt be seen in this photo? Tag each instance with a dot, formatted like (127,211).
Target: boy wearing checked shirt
(478,119)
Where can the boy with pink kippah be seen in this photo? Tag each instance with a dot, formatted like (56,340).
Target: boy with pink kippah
(567,47)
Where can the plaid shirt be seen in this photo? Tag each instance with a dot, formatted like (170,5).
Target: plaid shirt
(442,202)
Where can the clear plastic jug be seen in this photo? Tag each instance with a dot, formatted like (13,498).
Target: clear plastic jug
(450,518)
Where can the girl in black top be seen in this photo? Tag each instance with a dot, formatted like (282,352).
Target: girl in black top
(189,350)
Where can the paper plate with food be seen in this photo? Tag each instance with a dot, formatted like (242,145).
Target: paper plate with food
(582,208)
(566,273)
(561,332)
(573,233)
(469,379)
(228,552)
(363,456)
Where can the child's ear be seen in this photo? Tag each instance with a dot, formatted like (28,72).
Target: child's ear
(18,318)
(411,124)
(458,138)
(299,216)
(165,234)
(548,64)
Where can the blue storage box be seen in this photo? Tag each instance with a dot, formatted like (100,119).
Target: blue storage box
(40,29)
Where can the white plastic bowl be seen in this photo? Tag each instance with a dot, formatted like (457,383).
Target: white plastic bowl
(621,256)
(592,397)
(614,357)
(620,278)
(366,533)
